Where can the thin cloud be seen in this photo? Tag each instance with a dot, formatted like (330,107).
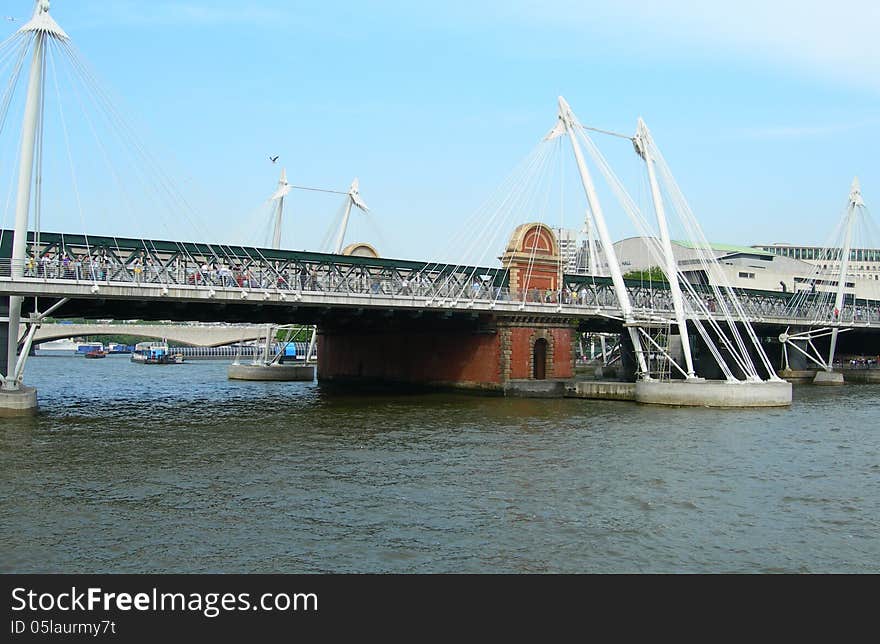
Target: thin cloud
(833,40)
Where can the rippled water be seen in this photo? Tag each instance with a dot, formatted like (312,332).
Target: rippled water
(133,468)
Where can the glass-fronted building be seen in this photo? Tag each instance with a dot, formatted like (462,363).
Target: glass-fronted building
(864,263)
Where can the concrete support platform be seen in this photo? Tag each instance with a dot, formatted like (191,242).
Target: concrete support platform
(274,372)
(828,378)
(603,390)
(714,393)
(22,402)
(862,376)
(535,388)
(797,376)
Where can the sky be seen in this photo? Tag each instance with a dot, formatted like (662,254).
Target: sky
(764,111)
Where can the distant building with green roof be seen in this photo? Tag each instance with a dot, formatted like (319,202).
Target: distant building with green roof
(766,268)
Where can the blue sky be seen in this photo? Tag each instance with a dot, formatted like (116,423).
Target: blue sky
(765,111)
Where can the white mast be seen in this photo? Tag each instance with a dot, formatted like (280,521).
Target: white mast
(642,143)
(855,201)
(354,198)
(42,25)
(568,120)
(280,193)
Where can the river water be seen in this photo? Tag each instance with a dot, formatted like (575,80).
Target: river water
(134,468)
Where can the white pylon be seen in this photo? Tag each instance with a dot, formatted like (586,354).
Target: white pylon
(354,199)
(43,26)
(568,121)
(855,201)
(642,142)
(280,193)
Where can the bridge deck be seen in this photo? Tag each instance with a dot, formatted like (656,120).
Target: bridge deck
(162,274)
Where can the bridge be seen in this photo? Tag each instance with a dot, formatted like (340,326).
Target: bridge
(462,325)
(124,278)
(121,278)
(195,335)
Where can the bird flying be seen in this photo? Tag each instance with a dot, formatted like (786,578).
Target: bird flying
(273,159)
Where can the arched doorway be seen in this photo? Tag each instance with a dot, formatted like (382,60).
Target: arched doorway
(540,359)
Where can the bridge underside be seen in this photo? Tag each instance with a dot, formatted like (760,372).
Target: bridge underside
(426,346)
(433,347)
(485,353)
(856,341)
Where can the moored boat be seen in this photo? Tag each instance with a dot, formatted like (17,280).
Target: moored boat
(155,353)
(85,348)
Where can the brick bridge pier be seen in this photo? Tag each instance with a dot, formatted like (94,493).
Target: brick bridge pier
(485,352)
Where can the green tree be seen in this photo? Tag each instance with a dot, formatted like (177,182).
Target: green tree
(652,274)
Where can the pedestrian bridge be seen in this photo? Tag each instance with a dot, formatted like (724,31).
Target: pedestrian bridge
(110,277)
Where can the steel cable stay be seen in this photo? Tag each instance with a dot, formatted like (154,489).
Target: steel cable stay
(740,355)
(529,207)
(514,208)
(112,168)
(13,50)
(706,264)
(470,235)
(847,260)
(541,217)
(121,129)
(725,295)
(74,182)
(163,186)
(167,188)
(489,221)
(652,242)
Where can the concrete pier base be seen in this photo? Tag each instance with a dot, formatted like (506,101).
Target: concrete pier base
(22,402)
(797,376)
(273,372)
(828,378)
(714,393)
(603,390)
(535,388)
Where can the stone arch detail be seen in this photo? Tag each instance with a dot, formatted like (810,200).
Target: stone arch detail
(360,249)
(532,257)
(546,335)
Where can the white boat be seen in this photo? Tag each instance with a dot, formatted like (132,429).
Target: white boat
(65,347)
